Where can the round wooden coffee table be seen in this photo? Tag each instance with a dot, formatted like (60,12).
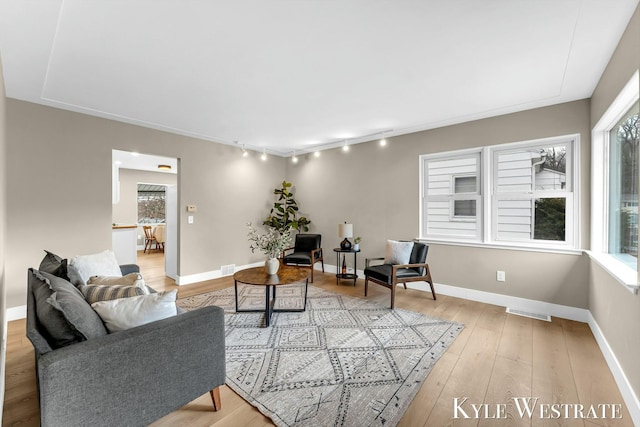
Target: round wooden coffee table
(257,276)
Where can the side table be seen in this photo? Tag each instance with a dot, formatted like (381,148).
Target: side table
(348,276)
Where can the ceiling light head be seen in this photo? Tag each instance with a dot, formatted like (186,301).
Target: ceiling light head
(264,155)
(164,167)
(316,154)
(294,158)
(383,142)
(345,147)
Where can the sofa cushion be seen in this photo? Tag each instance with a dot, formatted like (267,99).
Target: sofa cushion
(126,313)
(298,258)
(384,273)
(131,279)
(62,310)
(397,252)
(95,293)
(100,264)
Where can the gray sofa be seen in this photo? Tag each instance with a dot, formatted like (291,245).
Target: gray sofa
(127,378)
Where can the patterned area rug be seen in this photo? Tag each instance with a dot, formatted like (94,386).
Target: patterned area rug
(343,362)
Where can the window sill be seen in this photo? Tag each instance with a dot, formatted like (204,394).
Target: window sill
(624,274)
(505,246)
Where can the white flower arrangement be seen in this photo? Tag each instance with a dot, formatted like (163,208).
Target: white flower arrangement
(272,243)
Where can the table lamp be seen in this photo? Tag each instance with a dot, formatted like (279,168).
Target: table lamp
(345,231)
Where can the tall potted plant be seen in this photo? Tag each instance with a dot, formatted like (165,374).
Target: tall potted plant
(284,213)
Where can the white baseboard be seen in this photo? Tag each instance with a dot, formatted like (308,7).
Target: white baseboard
(210,275)
(533,306)
(630,398)
(15,313)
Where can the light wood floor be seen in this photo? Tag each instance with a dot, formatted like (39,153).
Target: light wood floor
(496,357)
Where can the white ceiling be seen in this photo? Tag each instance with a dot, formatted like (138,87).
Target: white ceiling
(286,75)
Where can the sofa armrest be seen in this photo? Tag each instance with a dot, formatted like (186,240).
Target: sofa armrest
(129,268)
(135,376)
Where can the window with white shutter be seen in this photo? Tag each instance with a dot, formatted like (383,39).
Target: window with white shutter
(452,202)
(519,194)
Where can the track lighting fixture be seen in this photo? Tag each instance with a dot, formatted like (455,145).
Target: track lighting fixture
(264,154)
(294,159)
(383,140)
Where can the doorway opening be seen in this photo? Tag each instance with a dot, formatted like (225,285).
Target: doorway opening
(145,202)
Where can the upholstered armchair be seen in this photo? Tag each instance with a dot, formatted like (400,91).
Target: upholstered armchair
(395,270)
(307,251)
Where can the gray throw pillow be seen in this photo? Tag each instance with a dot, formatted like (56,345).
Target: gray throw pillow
(56,328)
(56,265)
(82,322)
(50,263)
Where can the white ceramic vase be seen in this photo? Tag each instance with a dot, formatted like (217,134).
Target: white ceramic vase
(272,265)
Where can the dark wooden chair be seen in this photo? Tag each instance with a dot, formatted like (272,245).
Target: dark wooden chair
(149,239)
(389,275)
(307,250)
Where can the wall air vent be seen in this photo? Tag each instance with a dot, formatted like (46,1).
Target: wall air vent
(523,313)
(228,270)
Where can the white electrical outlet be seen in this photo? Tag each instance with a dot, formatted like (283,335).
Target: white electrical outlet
(500,276)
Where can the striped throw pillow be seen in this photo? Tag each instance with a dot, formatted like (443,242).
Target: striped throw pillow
(95,293)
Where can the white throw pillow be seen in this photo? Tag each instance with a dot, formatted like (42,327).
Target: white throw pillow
(398,252)
(100,264)
(125,313)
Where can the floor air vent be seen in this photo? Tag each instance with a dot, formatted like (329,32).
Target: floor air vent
(544,317)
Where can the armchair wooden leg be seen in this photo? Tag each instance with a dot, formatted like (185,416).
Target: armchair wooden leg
(312,272)
(322,261)
(429,280)
(393,294)
(215,397)
(366,285)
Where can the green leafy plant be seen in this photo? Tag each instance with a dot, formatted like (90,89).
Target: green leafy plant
(357,240)
(272,243)
(284,213)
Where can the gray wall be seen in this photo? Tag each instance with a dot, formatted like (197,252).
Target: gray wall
(615,310)
(3,204)
(377,189)
(59,190)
